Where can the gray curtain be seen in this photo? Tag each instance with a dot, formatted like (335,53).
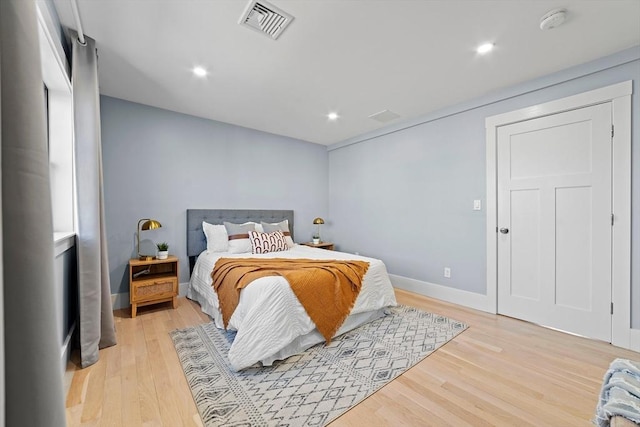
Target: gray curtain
(34,395)
(96,315)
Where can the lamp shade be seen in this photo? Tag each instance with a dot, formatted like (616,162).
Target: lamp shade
(148,224)
(318,221)
(151,224)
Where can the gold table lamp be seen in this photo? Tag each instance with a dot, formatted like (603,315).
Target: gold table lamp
(318,221)
(149,224)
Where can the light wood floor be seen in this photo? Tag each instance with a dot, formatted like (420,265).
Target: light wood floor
(500,371)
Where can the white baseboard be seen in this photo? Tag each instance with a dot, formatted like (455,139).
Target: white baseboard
(444,293)
(119,301)
(471,300)
(634,340)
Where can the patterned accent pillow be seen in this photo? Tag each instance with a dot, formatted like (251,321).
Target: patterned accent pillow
(262,243)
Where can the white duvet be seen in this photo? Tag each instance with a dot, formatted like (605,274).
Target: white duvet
(271,323)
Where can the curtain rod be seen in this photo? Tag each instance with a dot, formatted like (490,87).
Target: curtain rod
(76,15)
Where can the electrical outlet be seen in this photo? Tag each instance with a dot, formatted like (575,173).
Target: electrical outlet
(447,272)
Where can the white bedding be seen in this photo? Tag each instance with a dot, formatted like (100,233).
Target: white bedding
(271,322)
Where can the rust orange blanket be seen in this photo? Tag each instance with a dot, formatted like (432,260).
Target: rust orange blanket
(326,289)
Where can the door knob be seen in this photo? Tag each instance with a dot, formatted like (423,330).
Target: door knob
(504,230)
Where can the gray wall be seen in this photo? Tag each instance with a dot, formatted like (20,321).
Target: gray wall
(66,295)
(66,283)
(407,196)
(158,163)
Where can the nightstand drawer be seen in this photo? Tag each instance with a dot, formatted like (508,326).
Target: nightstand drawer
(157,289)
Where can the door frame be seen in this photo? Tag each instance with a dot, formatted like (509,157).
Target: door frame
(619,95)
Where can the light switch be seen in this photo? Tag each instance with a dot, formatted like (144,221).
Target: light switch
(477,205)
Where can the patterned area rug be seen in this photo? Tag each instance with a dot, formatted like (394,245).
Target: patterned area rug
(312,388)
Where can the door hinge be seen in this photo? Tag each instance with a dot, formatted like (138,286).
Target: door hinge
(611,308)
(612,219)
(612,132)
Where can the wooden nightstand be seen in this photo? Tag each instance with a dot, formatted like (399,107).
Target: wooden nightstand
(151,282)
(321,245)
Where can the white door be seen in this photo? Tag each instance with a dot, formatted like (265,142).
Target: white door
(554,216)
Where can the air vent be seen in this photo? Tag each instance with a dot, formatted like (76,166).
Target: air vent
(265,18)
(384,116)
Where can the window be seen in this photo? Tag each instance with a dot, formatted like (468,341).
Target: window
(59,113)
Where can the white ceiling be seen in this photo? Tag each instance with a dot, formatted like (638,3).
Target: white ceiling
(353,56)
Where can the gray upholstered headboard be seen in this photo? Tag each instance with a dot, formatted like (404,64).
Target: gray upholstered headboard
(196,242)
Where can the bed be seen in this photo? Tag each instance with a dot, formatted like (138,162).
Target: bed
(271,323)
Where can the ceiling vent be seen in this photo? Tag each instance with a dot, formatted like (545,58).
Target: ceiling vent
(265,18)
(384,116)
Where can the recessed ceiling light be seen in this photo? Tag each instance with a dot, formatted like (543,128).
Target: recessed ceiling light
(332,116)
(199,71)
(485,48)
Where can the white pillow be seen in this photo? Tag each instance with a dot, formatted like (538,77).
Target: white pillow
(217,239)
(239,242)
(282,226)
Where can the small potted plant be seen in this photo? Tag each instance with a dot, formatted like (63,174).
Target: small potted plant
(163,250)
(316,239)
